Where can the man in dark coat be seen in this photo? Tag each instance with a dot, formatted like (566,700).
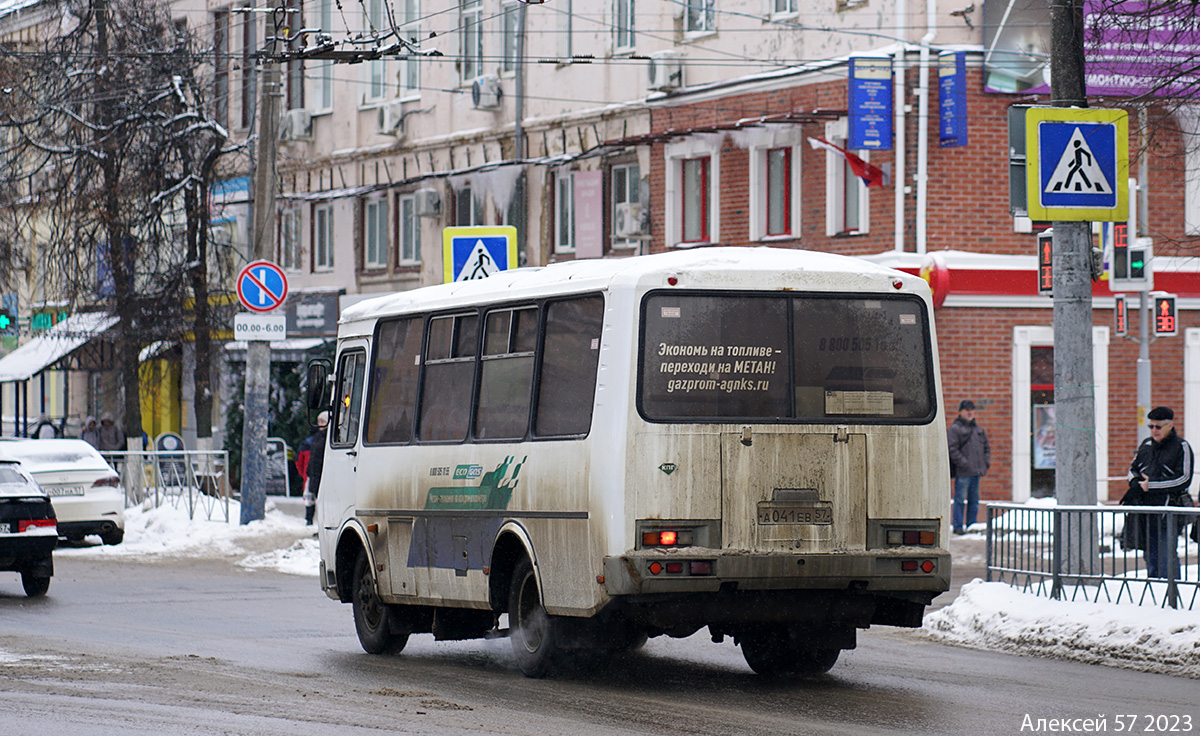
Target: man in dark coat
(1163,469)
(316,464)
(303,457)
(970,458)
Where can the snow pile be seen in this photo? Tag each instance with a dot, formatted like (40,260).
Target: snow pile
(998,617)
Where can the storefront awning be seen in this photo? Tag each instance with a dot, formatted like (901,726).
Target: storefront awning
(53,345)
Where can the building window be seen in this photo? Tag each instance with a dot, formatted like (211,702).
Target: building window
(564,213)
(289,239)
(471,33)
(847,200)
(410,231)
(779,191)
(410,29)
(376,70)
(375,234)
(775,187)
(626,212)
(465,213)
(249,43)
(693,192)
(623,24)
(221,66)
(783,7)
(322,238)
(511,16)
(323,73)
(700,16)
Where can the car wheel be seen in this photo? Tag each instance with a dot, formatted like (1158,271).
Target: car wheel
(379,628)
(34,585)
(772,652)
(113,537)
(532,630)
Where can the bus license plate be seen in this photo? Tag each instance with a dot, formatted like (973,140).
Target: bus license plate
(786,513)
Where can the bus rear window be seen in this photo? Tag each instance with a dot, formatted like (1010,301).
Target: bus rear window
(813,358)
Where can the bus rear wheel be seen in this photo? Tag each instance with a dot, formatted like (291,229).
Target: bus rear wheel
(775,652)
(379,629)
(532,630)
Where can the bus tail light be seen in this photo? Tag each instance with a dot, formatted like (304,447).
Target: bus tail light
(668,538)
(915,565)
(911,538)
(681,567)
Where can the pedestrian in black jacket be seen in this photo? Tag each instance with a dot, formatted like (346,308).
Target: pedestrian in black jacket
(970,458)
(1163,470)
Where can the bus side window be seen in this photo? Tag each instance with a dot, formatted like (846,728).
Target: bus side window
(349,398)
(394,372)
(449,378)
(506,381)
(570,356)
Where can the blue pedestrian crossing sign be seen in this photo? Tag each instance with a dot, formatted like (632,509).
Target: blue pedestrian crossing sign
(1077,164)
(477,252)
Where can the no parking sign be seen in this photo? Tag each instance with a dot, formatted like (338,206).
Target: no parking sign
(262,286)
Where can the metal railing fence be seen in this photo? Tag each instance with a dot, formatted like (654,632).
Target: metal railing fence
(194,479)
(1092,553)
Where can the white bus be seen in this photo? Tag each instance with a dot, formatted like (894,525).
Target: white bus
(587,454)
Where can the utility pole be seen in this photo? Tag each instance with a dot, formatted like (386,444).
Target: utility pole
(1074,382)
(258,352)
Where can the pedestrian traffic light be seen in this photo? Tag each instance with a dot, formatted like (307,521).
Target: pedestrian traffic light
(1121,315)
(1165,322)
(1130,269)
(8,314)
(8,321)
(1045,273)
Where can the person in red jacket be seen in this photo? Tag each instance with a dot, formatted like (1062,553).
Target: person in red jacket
(303,456)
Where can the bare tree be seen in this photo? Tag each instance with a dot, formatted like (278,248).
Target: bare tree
(112,157)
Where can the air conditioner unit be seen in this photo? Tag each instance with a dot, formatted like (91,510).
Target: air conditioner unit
(297,126)
(628,220)
(428,203)
(391,119)
(665,71)
(486,93)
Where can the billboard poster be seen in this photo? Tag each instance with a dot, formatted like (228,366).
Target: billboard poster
(1043,437)
(1131,48)
(870,98)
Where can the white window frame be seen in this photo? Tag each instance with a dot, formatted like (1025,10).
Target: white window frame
(509,19)
(375,233)
(1189,123)
(760,187)
(322,237)
(470,23)
(837,176)
(410,66)
(408,251)
(699,17)
(375,74)
(564,211)
(632,196)
(624,28)
(782,8)
(321,98)
(676,154)
(291,252)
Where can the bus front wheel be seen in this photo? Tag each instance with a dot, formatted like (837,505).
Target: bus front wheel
(532,630)
(775,652)
(379,629)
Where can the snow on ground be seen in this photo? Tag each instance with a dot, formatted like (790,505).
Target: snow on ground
(992,616)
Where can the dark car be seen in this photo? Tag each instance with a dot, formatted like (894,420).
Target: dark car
(28,528)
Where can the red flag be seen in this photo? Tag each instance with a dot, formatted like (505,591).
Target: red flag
(872,176)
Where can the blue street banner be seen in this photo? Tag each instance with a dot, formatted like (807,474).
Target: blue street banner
(952,99)
(870,104)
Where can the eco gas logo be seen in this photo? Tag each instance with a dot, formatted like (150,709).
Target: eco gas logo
(467,472)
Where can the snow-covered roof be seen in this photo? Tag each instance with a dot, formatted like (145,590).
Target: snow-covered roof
(712,267)
(54,344)
(8,6)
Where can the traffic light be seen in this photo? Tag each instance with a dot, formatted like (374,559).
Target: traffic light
(1121,315)
(1130,268)
(1165,322)
(1045,273)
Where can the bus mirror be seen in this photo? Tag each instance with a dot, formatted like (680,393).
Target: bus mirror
(317,388)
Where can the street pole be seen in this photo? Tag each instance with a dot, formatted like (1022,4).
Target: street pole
(1074,382)
(258,352)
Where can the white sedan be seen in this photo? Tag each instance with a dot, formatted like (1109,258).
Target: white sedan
(85,489)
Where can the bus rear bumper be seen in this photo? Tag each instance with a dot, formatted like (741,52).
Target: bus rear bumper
(901,570)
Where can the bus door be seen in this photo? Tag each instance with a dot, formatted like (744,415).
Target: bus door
(794,492)
(337,495)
